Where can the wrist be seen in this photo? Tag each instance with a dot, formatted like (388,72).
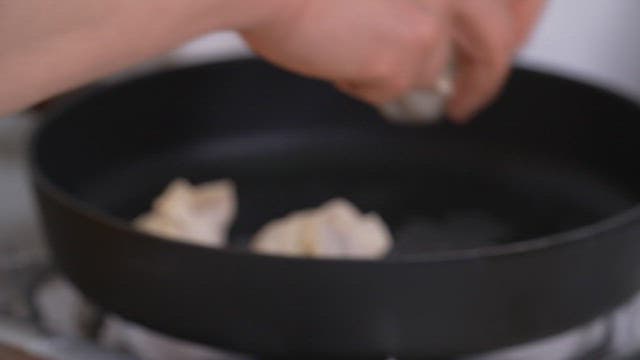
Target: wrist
(245,15)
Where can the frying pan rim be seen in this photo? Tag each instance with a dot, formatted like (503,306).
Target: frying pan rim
(529,245)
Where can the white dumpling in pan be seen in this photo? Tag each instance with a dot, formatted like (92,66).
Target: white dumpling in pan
(199,214)
(336,229)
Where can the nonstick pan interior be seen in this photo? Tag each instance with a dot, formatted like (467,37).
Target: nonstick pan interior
(503,228)
(436,194)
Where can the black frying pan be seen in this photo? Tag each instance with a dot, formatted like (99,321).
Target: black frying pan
(516,227)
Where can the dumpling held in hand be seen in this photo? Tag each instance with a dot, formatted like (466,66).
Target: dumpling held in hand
(337,229)
(199,214)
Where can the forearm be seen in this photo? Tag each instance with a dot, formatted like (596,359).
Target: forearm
(49,46)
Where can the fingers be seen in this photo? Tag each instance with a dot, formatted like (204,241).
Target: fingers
(379,50)
(375,94)
(525,13)
(419,59)
(384,89)
(484,36)
(421,54)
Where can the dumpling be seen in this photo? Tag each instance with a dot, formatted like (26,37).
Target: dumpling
(199,214)
(336,229)
(422,106)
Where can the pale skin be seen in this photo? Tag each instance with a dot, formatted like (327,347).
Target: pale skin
(375,50)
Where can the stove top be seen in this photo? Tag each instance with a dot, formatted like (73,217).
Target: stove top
(43,316)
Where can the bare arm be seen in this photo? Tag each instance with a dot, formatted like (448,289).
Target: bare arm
(49,46)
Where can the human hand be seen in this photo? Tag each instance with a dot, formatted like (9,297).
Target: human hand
(487,34)
(379,50)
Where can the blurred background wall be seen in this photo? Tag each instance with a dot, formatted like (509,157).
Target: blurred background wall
(594,39)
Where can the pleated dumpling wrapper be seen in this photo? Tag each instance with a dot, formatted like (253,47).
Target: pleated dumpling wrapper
(199,214)
(336,229)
